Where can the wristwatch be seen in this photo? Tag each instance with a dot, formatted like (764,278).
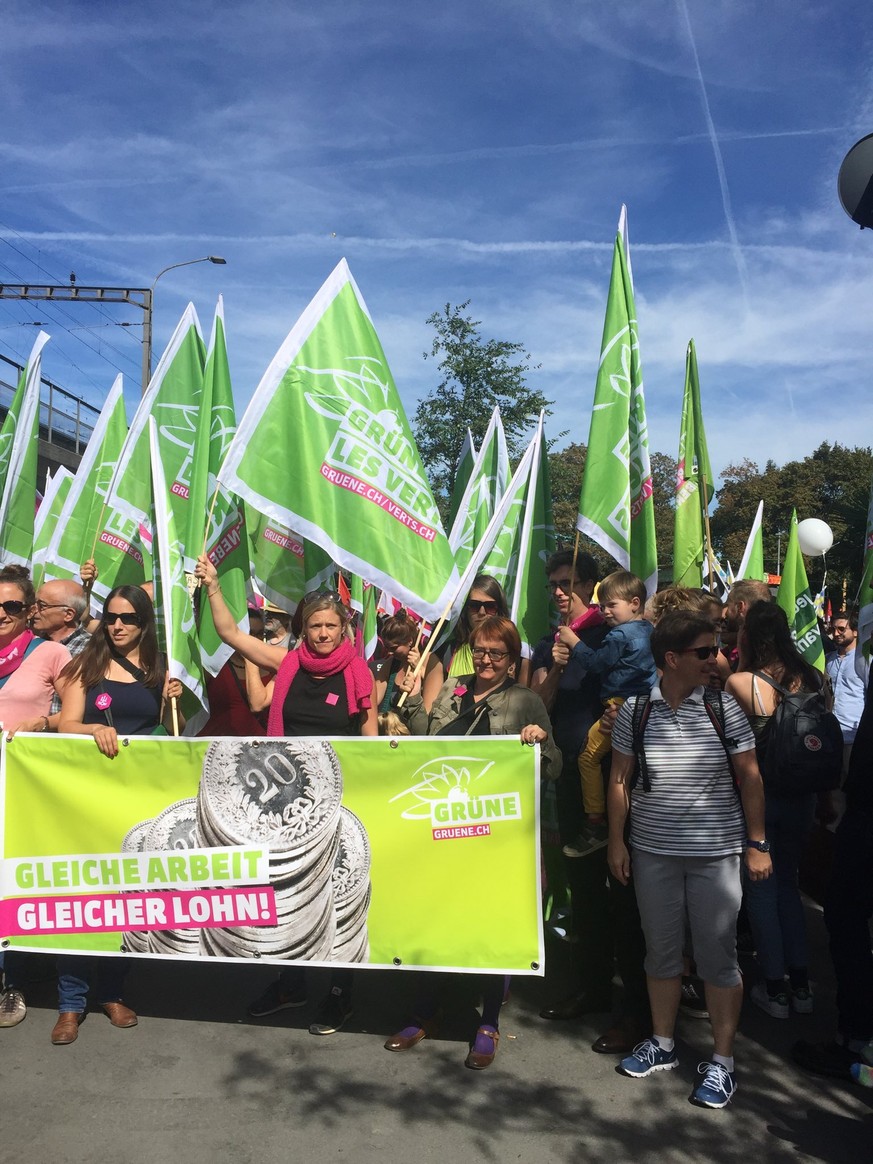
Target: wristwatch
(761,846)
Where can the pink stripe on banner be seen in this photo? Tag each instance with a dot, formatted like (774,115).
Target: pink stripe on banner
(362,489)
(99,913)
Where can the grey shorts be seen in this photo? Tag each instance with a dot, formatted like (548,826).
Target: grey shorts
(710,889)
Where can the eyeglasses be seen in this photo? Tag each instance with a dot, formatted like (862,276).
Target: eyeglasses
(13,607)
(332,595)
(701,652)
(126,619)
(40,605)
(474,605)
(479,654)
(564,585)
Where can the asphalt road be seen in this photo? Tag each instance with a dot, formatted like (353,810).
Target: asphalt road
(197,1081)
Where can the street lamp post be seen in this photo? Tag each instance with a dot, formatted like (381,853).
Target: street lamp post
(148,307)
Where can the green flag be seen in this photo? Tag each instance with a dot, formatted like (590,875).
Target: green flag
(796,600)
(325,448)
(616,508)
(752,565)
(18,503)
(499,548)
(530,606)
(173,608)
(462,475)
(485,486)
(57,487)
(283,565)
(173,400)
(225,535)
(694,484)
(364,602)
(88,526)
(10,421)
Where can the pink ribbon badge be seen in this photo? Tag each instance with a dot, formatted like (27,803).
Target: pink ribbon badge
(332,699)
(102,701)
(460,690)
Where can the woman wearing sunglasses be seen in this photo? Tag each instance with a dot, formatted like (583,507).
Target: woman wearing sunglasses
(118,686)
(485,600)
(30,670)
(486,702)
(770,664)
(115,687)
(30,667)
(322,688)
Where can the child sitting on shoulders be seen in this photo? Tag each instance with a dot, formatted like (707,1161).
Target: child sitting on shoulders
(624,661)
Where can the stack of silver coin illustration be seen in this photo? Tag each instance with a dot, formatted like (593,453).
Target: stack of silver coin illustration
(351,888)
(283,795)
(171,830)
(136,941)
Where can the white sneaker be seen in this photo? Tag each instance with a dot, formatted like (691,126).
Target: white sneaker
(775,1006)
(801,1000)
(12,1008)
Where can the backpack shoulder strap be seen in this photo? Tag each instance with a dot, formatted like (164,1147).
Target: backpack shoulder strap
(777,686)
(714,704)
(642,711)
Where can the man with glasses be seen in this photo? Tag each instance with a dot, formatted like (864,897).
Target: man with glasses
(848,684)
(689,830)
(60,608)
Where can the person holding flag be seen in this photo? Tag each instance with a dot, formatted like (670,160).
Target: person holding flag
(323,688)
(399,634)
(117,685)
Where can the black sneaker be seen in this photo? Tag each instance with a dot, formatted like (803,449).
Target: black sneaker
(590,839)
(693,1002)
(831,1059)
(332,1013)
(275,999)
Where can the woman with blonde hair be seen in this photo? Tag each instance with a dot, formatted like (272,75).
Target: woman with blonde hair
(322,688)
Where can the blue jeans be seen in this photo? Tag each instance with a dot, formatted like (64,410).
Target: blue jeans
(773,906)
(74,981)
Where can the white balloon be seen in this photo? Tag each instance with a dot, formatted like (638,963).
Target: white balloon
(815,536)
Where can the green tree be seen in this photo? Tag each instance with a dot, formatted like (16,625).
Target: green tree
(477,374)
(566,467)
(832,483)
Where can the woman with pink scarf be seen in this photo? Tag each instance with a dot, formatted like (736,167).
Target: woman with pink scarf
(322,688)
(29,670)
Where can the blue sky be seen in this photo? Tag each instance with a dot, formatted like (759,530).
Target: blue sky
(478,150)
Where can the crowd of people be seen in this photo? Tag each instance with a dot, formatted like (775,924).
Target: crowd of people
(657,723)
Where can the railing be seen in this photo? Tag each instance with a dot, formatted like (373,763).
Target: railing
(64,419)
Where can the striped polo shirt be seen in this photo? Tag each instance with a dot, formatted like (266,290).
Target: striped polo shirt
(692,809)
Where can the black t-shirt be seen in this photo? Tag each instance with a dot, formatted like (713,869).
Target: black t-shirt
(318,707)
(859,782)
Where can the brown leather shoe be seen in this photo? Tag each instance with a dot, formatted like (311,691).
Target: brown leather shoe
(401,1042)
(478,1060)
(619,1040)
(119,1014)
(66,1029)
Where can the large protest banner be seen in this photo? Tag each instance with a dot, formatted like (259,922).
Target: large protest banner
(414,853)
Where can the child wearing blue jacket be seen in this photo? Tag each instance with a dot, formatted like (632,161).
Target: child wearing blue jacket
(624,660)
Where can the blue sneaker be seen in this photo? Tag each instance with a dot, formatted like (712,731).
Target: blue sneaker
(717,1087)
(647,1057)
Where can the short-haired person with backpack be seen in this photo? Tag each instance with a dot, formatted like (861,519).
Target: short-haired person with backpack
(800,753)
(683,758)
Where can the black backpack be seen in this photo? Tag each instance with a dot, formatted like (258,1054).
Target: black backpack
(714,705)
(801,748)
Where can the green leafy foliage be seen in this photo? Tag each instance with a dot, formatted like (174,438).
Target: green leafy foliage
(477,374)
(832,483)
